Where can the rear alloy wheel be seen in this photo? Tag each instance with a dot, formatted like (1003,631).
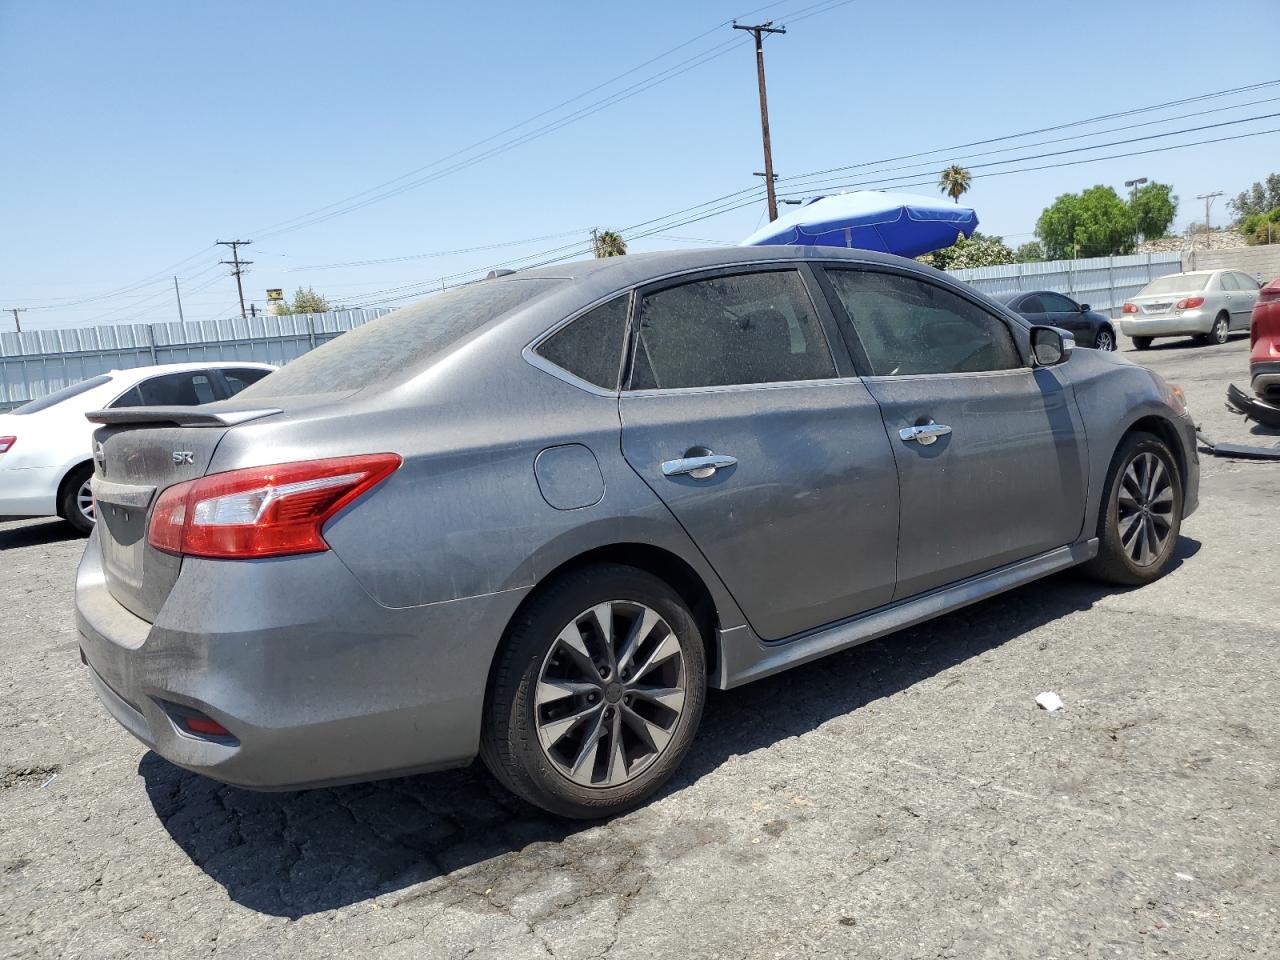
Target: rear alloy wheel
(1141,513)
(596,694)
(1142,343)
(76,502)
(1220,331)
(1105,340)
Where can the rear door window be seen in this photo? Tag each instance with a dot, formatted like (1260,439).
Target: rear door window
(910,327)
(591,346)
(237,378)
(1228,281)
(1031,304)
(186,389)
(743,328)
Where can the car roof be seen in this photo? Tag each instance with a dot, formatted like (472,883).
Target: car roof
(162,368)
(638,267)
(1018,294)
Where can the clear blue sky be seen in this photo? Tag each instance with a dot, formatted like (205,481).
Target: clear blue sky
(137,133)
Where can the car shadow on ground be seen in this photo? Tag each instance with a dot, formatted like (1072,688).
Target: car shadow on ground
(35,533)
(295,854)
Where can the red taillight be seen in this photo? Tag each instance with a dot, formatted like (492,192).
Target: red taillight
(263,511)
(1130,308)
(1267,294)
(6,443)
(1189,303)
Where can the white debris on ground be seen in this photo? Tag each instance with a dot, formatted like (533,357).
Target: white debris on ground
(1049,701)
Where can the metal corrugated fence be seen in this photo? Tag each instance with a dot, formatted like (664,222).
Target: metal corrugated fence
(38,362)
(1102,282)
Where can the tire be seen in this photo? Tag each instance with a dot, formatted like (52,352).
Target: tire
(1219,333)
(1123,558)
(553,688)
(1105,339)
(1142,343)
(74,488)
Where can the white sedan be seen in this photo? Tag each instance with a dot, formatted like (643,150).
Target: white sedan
(46,459)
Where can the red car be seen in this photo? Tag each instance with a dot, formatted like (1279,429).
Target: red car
(1264,338)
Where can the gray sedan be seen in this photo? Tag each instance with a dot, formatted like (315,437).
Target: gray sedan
(1208,304)
(535,518)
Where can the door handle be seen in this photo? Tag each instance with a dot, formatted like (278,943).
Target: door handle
(700,468)
(925,433)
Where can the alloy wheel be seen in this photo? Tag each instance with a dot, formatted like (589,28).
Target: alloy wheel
(84,502)
(1145,509)
(610,693)
(1105,341)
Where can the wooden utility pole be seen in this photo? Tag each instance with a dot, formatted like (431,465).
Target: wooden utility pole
(15,311)
(181,318)
(758,32)
(237,266)
(1208,202)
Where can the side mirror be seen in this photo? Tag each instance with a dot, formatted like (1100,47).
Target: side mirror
(1051,346)
(1085,308)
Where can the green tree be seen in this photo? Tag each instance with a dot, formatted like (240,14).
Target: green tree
(608,243)
(978,250)
(1095,223)
(1154,207)
(1260,198)
(1029,252)
(954,181)
(1261,228)
(304,301)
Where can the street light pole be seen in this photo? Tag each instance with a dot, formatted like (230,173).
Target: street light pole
(1133,187)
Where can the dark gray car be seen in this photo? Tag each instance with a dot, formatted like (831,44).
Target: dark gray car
(535,518)
(1087,327)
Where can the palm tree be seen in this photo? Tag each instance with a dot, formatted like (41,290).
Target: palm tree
(954,181)
(608,243)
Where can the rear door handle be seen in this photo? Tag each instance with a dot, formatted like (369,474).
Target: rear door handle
(700,468)
(925,433)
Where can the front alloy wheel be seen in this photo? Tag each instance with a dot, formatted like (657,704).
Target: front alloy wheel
(1145,509)
(1140,514)
(1105,340)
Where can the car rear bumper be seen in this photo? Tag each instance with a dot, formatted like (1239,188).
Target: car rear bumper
(1265,377)
(316,682)
(29,491)
(1168,325)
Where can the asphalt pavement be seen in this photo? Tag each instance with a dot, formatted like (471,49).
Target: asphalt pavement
(904,799)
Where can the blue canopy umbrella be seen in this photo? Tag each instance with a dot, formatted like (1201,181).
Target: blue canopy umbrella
(900,223)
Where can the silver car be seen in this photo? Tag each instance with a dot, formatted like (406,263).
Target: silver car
(1208,304)
(534,519)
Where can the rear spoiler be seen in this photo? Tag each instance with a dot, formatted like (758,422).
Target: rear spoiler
(180,416)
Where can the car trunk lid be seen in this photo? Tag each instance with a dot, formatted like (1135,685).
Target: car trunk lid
(138,453)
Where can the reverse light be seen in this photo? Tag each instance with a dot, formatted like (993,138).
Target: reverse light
(268,511)
(1189,303)
(1130,308)
(6,443)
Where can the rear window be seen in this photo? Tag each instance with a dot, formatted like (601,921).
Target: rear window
(1178,283)
(391,346)
(66,393)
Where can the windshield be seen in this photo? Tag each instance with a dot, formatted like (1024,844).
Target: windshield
(66,393)
(1178,283)
(385,349)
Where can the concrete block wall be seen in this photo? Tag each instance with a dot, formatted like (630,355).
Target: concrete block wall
(1262,262)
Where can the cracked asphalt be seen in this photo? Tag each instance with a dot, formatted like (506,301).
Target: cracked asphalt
(904,799)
